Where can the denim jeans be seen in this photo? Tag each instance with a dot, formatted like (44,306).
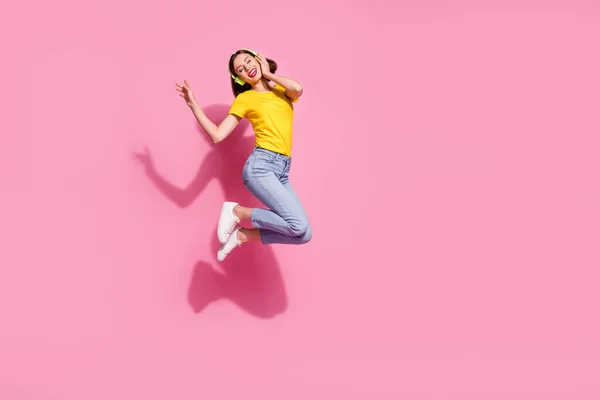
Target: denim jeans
(266,176)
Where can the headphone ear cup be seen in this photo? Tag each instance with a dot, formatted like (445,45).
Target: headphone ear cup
(237,79)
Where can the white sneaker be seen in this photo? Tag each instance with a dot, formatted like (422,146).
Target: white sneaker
(231,244)
(227,221)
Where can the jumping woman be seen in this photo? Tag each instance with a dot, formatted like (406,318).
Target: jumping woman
(268,107)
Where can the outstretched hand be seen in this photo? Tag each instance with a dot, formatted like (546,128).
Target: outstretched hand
(186,92)
(145,159)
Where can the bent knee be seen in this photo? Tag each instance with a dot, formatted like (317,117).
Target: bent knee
(300,227)
(307,235)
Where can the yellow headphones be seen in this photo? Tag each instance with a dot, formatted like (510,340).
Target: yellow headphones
(236,78)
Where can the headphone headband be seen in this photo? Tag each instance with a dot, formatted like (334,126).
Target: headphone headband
(236,78)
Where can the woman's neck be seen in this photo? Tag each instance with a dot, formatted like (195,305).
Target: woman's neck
(261,86)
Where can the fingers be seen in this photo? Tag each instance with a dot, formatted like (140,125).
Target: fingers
(186,86)
(183,89)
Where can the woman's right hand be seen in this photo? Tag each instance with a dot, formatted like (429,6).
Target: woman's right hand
(186,92)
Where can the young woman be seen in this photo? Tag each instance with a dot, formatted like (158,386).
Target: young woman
(266,173)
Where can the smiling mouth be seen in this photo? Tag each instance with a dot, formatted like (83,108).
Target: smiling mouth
(252,73)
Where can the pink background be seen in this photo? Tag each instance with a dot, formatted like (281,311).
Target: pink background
(447,155)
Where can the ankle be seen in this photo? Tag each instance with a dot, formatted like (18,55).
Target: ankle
(242,213)
(236,212)
(242,236)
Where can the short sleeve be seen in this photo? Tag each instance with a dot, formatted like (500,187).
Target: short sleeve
(282,90)
(239,106)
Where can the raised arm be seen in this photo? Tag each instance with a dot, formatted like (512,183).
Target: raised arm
(293,89)
(217,133)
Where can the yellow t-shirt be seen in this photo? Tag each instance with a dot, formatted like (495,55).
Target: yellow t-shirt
(271,115)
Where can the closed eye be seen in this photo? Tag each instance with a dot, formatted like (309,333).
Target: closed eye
(247,60)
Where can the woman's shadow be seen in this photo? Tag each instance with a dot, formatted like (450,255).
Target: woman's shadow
(251,276)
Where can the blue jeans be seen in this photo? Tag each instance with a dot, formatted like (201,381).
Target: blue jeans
(266,176)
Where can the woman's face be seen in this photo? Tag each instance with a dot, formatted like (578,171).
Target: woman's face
(247,68)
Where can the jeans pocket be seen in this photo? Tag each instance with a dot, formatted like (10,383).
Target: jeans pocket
(266,157)
(288,167)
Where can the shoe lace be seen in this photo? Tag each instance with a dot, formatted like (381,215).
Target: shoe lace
(231,226)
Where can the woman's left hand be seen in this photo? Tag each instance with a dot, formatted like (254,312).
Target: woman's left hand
(264,66)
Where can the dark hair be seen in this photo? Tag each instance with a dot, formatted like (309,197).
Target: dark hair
(237,89)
